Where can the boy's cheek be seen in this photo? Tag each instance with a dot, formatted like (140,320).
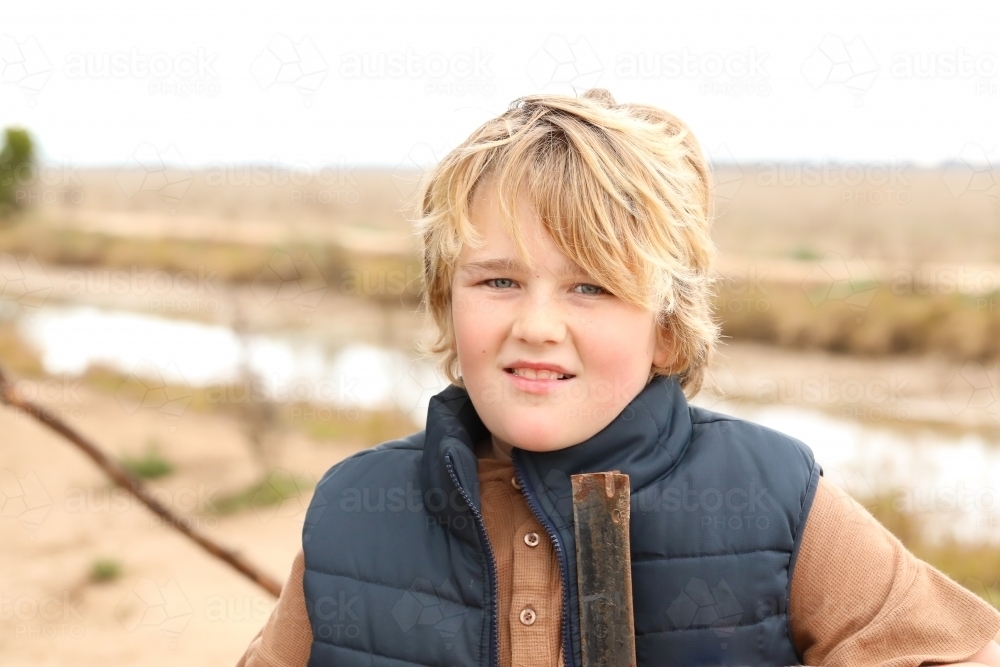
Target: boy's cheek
(619,341)
(479,322)
(476,348)
(473,337)
(612,356)
(473,310)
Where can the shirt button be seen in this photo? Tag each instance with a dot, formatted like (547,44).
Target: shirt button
(528,616)
(513,480)
(531,539)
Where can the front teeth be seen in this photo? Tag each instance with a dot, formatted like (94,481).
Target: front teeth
(532,374)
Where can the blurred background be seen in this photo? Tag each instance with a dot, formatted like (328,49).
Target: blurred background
(208,269)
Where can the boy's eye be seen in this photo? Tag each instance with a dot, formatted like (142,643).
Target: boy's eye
(587,288)
(583,288)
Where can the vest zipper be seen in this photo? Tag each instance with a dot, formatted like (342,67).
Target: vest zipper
(490,561)
(568,654)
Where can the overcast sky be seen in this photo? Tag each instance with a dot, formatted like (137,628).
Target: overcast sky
(387,84)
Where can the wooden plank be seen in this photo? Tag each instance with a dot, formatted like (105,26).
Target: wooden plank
(604,568)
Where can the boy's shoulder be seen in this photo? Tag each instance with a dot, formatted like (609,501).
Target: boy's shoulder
(400,449)
(706,423)
(412,441)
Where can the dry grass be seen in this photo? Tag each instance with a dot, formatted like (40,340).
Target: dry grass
(239,196)
(230,261)
(765,211)
(322,423)
(914,216)
(962,327)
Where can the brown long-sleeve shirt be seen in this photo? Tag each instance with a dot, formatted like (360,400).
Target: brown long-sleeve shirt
(858,596)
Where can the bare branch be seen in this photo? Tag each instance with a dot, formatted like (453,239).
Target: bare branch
(134,485)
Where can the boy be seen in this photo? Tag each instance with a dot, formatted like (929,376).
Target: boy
(567,265)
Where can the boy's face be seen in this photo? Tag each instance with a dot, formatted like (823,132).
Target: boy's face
(548,357)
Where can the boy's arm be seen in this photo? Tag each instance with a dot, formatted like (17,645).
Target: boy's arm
(989,656)
(859,597)
(286,638)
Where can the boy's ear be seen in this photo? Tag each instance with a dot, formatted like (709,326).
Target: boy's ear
(663,352)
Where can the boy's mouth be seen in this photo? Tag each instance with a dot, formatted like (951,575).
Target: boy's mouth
(538,373)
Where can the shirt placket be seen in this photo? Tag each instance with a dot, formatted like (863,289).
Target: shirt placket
(533,614)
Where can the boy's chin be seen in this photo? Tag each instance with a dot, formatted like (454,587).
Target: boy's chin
(542,446)
(542,438)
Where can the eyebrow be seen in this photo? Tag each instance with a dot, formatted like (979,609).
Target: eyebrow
(514,265)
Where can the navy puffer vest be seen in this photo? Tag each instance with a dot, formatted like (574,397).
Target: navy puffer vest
(399,570)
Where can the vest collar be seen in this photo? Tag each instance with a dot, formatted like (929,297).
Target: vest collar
(644,441)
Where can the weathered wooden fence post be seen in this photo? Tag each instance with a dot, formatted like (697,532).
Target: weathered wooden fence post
(604,568)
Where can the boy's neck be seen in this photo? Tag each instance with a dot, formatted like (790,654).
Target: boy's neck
(487,449)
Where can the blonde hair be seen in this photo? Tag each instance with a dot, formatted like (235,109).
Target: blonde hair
(624,192)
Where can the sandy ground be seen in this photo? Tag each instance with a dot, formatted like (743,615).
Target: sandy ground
(173,604)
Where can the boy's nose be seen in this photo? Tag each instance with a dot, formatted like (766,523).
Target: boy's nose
(539,323)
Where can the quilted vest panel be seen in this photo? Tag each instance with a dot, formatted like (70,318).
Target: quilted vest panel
(399,570)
